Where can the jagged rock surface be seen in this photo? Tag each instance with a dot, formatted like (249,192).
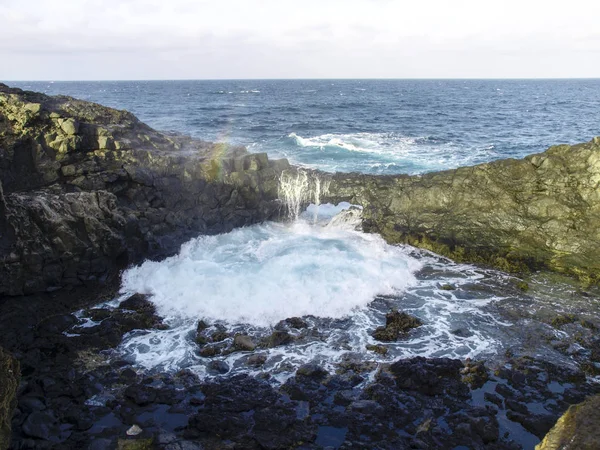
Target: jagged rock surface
(540,212)
(9,381)
(576,429)
(86,190)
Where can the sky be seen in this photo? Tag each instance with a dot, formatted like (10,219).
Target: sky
(230,39)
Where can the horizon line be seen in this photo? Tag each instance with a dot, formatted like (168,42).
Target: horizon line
(304,79)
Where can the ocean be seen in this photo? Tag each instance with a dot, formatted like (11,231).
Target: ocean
(370,126)
(319,265)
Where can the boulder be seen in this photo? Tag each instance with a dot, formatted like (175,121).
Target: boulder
(396,324)
(577,428)
(539,212)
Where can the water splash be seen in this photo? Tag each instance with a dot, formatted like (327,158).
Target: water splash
(299,187)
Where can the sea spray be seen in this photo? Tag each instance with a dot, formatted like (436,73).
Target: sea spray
(299,187)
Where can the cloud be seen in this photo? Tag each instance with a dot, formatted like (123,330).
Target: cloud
(111,39)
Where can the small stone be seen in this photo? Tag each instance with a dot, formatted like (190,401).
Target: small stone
(202,325)
(447,287)
(382,350)
(243,343)
(134,430)
(257,360)
(209,351)
(278,338)
(522,286)
(396,324)
(219,336)
(219,367)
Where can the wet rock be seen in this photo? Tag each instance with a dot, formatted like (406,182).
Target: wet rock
(462,332)
(366,407)
(41,425)
(202,325)
(563,319)
(380,349)
(444,213)
(56,324)
(492,398)
(98,314)
(447,287)
(9,382)
(134,430)
(219,335)
(396,324)
(91,190)
(536,424)
(432,376)
(278,338)
(218,367)
(209,351)
(296,322)
(516,406)
(141,395)
(256,360)
(313,371)
(577,428)
(244,343)
(474,373)
(135,444)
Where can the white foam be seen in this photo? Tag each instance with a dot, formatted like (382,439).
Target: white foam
(265,273)
(384,152)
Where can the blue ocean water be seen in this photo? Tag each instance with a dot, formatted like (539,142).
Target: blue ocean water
(372,126)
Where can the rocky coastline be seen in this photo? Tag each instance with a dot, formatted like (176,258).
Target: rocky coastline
(87,190)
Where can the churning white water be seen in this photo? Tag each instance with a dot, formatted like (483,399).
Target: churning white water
(319,266)
(262,274)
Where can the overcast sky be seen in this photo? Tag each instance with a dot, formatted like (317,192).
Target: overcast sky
(195,39)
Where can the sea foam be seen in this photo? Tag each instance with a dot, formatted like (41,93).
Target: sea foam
(262,274)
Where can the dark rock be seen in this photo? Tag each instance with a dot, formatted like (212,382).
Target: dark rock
(40,424)
(138,303)
(202,325)
(9,382)
(536,424)
(484,214)
(257,360)
(432,376)
(296,322)
(493,398)
(313,371)
(219,335)
(577,428)
(474,373)
(278,338)
(209,351)
(219,367)
(243,342)
(91,190)
(382,350)
(396,324)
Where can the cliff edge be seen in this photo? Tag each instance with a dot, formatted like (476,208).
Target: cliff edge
(86,190)
(540,212)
